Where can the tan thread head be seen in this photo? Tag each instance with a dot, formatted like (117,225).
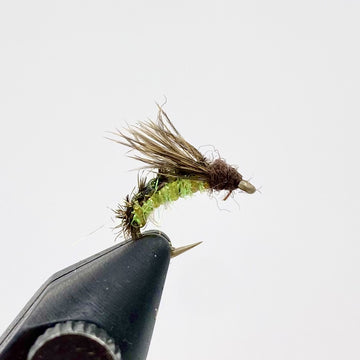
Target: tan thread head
(247,187)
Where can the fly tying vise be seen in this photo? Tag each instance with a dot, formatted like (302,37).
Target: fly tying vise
(181,170)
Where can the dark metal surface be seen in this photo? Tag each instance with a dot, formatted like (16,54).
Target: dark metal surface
(74,340)
(118,290)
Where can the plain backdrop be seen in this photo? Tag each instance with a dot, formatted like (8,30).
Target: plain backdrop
(273,86)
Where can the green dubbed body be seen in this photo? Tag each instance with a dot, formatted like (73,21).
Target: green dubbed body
(157,193)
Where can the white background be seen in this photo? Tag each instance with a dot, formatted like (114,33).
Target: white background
(273,85)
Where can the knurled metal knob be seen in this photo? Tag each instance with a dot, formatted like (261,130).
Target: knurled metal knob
(74,340)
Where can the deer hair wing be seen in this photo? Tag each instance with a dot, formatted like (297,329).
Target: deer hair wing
(161,147)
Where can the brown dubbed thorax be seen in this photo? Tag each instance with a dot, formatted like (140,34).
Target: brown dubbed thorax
(223,176)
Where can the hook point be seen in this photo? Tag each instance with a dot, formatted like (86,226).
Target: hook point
(177,251)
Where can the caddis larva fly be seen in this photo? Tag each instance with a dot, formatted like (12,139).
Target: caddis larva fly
(180,170)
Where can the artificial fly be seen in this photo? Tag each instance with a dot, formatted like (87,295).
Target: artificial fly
(180,170)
